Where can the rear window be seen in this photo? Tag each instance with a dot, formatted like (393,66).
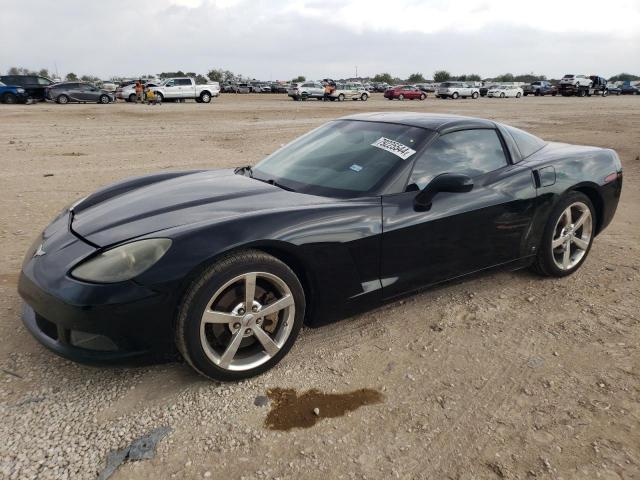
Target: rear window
(569,76)
(527,144)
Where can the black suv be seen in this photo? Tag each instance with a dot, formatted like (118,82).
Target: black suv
(34,85)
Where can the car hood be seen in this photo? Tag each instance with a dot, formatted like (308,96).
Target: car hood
(145,205)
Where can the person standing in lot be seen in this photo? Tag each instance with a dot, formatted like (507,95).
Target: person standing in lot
(139,92)
(327,91)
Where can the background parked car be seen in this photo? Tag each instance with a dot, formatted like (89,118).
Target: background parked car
(243,88)
(128,93)
(502,91)
(82,92)
(33,85)
(457,89)
(381,87)
(485,88)
(541,87)
(401,92)
(576,80)
(13,94)
(629,89)
(615,90)
(302,91)
(353,91)
(185,88)
(109,86)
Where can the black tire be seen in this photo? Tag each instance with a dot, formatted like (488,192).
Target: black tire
(474,95)
(9,98)
(341,97)
(502,95)
(364,97)
(199,294)
(133,97)
(198,100)
(62,99)
(518,95)
(205,97)
(160,97)
(104,99)
(423,96)
(454,95)
(544,263)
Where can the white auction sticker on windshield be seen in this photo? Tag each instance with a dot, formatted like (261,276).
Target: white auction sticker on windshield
(397,148)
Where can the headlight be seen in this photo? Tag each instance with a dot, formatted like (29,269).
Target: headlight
(123,262)
(20,90)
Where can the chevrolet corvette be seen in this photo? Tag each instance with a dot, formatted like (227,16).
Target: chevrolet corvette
(225,266)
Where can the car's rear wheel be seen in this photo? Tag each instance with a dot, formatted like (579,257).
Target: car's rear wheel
(9,98)
(474,95)
(518,95)
(205,97)
(133,97)
(341,97)
(567,237)
(104,99)
(241,316)
(502,95)
(364,97)
(62,99)
(454,95)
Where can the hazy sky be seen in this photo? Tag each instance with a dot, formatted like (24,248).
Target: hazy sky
(282,39)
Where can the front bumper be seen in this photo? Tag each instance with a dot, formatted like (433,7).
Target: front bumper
(90,322)
(135,326)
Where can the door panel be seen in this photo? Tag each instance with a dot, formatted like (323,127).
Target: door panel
(461,233)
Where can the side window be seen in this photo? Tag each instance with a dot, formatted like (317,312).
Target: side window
(170,83)
(472,152)
(185,82)
(43,81)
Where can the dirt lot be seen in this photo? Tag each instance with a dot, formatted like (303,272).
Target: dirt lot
(506,375)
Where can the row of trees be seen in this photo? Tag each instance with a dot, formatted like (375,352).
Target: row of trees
(227,76)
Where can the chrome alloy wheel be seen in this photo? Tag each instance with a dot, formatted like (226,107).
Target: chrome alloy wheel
(237,337)
(572,236)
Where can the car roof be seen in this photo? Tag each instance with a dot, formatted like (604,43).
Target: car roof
(431,121)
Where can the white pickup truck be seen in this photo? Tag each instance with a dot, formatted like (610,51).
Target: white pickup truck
(183,88)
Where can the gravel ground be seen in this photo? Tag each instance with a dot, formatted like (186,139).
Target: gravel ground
(504,375)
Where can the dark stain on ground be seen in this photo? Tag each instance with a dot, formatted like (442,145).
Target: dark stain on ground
(9,278)
(290,410)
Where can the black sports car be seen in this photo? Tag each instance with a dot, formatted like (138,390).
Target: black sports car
(226,265)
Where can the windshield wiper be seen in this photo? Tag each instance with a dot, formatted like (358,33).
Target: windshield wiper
(244,170)
(279,185)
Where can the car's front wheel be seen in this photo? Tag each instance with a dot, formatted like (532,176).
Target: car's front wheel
(9,98)
(62,99)
(474,95)
(205,97)
(364,97)
(241,316)
(454,95)
(567,237)
(104,99)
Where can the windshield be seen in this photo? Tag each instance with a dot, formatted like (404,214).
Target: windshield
(343,158)
(568,76)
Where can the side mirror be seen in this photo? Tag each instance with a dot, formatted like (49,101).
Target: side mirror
(445,182)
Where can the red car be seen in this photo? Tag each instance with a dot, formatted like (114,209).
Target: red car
(401,92)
